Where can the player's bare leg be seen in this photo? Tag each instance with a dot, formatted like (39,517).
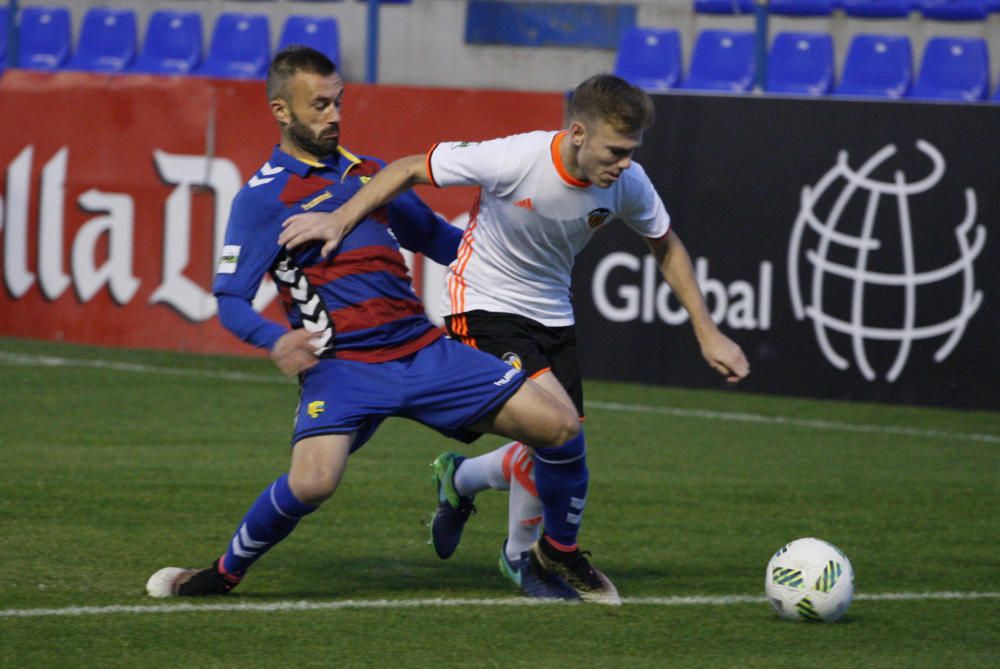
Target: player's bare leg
(317,466)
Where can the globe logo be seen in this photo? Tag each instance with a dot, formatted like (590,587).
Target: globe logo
(854,268)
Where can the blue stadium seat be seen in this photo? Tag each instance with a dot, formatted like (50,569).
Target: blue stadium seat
(801,7)
(878,9)
(650,58)
(44,41)
(241,47)
(800,62)
(993,6)
(723,6)
(722,60)
(172,45)
(320,32)
(545,23)
(107,41)
(4,31)
(953,10)
(877,66)
(954,68)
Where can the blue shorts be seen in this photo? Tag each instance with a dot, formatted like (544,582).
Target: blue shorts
(446,385)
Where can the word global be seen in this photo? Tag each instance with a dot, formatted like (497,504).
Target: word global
(643,296)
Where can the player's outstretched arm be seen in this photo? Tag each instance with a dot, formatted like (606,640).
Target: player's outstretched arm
(332,227)
(720,352)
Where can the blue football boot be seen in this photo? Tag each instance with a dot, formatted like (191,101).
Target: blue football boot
(453,509)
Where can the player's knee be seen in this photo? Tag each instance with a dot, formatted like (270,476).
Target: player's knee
(565,427)
(314,487)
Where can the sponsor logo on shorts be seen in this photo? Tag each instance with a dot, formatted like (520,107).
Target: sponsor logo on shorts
(511,373)
(315,408)
(229,259)
(512,359)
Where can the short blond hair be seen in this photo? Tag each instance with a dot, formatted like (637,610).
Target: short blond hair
(605,97)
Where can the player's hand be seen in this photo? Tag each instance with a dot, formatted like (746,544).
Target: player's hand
(315,226)
(293,353)
(726,357)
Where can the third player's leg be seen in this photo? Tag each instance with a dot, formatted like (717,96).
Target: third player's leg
(533,416)
(551,384)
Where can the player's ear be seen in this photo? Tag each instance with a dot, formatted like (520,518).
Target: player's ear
(577,133)
(280,111)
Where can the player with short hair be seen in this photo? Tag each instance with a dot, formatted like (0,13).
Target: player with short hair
(542,197)
(360,342)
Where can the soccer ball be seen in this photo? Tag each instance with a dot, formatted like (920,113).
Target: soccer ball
(809,579)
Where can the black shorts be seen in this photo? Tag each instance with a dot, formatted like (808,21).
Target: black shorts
(524,344)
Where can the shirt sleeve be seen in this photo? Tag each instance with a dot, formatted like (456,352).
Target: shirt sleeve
(249,250)
(238,316)
(644,210)
(470,164)
(418,228)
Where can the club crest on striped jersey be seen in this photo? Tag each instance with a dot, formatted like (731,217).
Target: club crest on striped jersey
(597,217)
(512,359)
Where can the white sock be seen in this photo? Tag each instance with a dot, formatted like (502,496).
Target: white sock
(524,509)
(483,472)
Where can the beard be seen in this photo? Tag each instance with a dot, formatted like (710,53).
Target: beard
(314,143)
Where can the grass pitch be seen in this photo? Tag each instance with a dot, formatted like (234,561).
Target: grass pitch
(116,463)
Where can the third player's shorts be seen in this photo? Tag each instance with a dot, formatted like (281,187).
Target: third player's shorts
(524,344)
(445,385)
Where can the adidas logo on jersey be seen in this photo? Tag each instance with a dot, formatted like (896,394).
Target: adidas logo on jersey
(525,204)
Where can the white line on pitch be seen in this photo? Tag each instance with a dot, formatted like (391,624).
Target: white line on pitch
(796,422)
(760,419)
(720,600)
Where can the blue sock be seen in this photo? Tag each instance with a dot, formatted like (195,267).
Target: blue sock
(271,518)
(561,477)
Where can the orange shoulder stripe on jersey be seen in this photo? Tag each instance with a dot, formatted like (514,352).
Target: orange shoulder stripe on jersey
(427,163)
(557,161)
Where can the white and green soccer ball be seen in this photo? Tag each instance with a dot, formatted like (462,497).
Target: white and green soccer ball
(809,579)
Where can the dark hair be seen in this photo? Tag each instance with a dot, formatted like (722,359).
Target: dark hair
(605,97)
(295,58)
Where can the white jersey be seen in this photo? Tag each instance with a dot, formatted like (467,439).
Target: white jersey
(531,220)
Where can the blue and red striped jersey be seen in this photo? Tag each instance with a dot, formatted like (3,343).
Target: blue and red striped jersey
(359,301)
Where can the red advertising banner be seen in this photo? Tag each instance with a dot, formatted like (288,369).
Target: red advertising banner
(116,191)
